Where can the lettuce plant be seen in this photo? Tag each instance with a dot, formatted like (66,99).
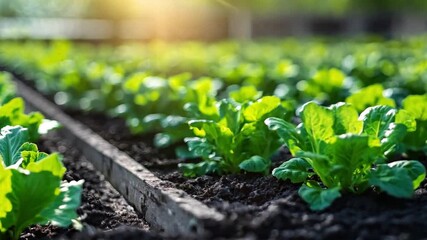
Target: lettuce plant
(237,139)
(153,104)
(197,100)
(12,110)
(31,190)
(7,88)
(416,106)
(326,85)
(338,151)
(369,96)
(13,113)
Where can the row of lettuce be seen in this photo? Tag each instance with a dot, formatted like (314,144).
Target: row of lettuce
(31,186)
(236,119)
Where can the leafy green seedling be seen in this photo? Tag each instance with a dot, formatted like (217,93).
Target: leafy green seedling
(7,88)
(346,152)
(13,113)
(326,85)
(416,107)
(369,96)
(31,187)
(237,140)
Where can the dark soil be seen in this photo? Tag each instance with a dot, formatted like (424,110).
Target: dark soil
(104,212)
(140,147)
(266,208)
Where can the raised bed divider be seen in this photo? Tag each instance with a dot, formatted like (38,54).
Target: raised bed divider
(167,209)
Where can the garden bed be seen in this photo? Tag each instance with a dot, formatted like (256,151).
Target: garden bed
(263,207)
(166,209)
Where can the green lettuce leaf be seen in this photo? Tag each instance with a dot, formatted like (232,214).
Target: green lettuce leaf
(295,169)
(11,140)
(415,170)
(395,181)
(255,164)
(5,189)
(32,192)
(416,106)
(30,153)
(345,119)
(319,198)
(381,124)
(62,211)
(317,125)
(258,109)
(287,131)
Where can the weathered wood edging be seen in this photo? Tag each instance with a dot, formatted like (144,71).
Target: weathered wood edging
(164,208)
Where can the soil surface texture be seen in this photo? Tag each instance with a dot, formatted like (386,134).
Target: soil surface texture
(140,147)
